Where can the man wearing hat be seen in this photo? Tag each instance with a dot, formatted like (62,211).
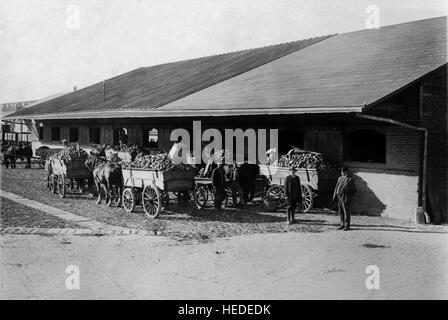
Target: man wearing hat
(293,192)
(344,191)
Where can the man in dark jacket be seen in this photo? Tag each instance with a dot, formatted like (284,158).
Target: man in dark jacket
(344,191)
(293,192)
(235,186)
(219,184)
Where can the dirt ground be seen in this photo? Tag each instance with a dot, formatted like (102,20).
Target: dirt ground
(409,264)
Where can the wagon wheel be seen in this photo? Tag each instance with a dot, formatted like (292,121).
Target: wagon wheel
(151,201)
(200,196)
(41,162)
(128,200)
(276,192)
(307,198)
(61,185)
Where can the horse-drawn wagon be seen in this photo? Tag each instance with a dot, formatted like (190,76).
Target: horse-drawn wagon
(63,175)
(313,181)
(151,188)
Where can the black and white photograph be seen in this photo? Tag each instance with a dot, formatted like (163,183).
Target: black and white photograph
(217,150)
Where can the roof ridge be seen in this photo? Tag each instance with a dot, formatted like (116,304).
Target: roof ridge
(243,50)
(392,25)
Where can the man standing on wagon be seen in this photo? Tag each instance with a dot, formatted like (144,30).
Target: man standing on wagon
(344,191)
(293,192)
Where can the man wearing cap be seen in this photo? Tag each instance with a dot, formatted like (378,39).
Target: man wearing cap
(344,191)
(65,143)
(293,192)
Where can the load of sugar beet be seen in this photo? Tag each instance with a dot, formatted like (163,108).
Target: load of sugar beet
(157,161)
(70,154)
(306,159)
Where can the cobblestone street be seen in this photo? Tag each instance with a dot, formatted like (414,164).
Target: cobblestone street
(412,264)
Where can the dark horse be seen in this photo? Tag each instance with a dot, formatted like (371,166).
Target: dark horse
(247,179)
(107,176)
(11,152)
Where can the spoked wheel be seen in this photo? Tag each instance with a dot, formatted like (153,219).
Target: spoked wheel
(200,196)
(41,162)
(128,200)
(61,185)
(277,193)
(151,201)
(307,198)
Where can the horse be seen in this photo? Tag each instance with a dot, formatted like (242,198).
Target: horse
(13,152)
(247,179)
(107,176)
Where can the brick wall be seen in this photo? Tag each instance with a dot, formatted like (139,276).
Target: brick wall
(390,189)
(424,104)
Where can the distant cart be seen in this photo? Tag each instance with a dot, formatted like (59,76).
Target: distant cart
(313,183)
(67,175)
(151,188)
(43,153)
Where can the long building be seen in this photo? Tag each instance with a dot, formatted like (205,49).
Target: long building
(373,100)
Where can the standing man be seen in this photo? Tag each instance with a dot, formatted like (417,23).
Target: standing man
(344,191)
(219,184)
(235,186)
(293,192)
(122,138)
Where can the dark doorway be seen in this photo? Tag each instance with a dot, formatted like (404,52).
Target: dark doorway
(95,135)
(289,138)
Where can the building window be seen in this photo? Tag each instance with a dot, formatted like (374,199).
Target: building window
(74,134)
(95,135)
(289,138)
(120,136)
(55,133)
(366,146)
(41,131)
(150,138)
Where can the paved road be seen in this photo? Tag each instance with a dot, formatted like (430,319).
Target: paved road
(412,265)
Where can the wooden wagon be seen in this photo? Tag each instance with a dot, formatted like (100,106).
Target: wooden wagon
(313,182)
(63,175)
(151,188)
